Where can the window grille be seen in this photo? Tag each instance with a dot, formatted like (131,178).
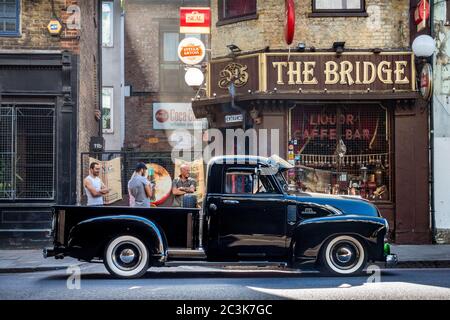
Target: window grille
(27,152)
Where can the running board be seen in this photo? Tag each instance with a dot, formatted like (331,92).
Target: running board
(188,254)
(234,264)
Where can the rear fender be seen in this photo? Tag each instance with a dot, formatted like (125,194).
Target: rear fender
(310,235)
(88,238)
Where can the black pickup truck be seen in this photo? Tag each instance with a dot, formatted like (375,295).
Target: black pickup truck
(248,214)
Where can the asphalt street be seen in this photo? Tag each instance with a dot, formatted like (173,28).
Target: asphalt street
(192,283)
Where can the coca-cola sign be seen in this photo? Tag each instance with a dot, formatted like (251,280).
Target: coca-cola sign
(171,116)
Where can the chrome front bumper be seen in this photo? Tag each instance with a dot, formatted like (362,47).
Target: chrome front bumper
(391,260)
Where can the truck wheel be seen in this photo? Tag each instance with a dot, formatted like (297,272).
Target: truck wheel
(126,257)
(343,255)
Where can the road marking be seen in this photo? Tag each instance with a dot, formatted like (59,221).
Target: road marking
(135,287)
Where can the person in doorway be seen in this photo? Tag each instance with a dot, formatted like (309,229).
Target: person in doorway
(94,187)
(140,187)
(182,185)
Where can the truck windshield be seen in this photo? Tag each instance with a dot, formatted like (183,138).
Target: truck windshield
(282,181)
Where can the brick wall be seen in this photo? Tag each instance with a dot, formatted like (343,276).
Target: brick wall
(142,46)
(89,59)
(357,32)
(34,18)
(83,43)
(138,124)
(143,22)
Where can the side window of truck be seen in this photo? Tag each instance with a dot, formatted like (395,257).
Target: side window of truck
(242,182)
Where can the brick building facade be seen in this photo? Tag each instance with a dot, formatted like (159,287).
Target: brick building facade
(293,90)
(152,69)
(384,24)
(48,94)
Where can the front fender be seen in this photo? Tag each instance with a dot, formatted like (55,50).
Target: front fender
(310,235)
(88,238)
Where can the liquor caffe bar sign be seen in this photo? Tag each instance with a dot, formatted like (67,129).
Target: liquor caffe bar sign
(314,72)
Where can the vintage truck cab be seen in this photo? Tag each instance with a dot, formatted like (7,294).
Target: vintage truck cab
(248,214)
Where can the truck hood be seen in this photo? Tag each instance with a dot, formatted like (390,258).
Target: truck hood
(348,205)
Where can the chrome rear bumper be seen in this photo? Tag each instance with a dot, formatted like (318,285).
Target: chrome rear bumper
(58,253)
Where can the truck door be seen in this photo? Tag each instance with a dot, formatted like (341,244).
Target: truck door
(251,216)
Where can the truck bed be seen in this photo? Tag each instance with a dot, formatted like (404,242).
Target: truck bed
(180,225)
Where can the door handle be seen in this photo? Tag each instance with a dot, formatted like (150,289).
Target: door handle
(230,201)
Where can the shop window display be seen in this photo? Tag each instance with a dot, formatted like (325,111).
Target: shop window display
(341,149)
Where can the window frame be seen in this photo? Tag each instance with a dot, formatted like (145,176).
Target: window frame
(222,20)
(173,26)
(338,12)
(111,110)
(17,32)
(251,173)
(110,44)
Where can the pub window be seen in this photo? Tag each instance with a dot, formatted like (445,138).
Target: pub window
(9,17)
(107,109)
(230,9)
(342,149)
(171,69)
(27,152)
(107,23)
(338,6)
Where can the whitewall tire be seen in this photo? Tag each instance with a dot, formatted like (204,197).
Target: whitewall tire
(126,256)
(343,255)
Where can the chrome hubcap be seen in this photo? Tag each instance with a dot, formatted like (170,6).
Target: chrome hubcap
(127,255)
(344,255)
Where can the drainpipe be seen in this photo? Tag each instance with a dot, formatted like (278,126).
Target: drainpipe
(431,137)
(99,65)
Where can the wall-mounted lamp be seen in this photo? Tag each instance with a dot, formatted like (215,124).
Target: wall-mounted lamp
(423,46)
(338,47)
(301,47)
(376,50)
(234,49)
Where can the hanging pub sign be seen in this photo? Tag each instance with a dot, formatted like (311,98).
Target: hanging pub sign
(426,81)
(319,72)
(195,20)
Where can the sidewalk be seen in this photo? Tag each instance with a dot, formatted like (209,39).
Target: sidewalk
(422,256)
(410,256)
(14,261)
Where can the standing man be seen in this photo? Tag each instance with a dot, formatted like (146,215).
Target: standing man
(140,187)
(94,187)
(182,185)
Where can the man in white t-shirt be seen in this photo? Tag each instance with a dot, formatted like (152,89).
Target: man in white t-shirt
(94,187)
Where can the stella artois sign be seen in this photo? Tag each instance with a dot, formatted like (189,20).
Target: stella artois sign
(195,20)
(191,51)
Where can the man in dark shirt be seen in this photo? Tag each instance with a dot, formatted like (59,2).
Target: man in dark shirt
(182,185)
